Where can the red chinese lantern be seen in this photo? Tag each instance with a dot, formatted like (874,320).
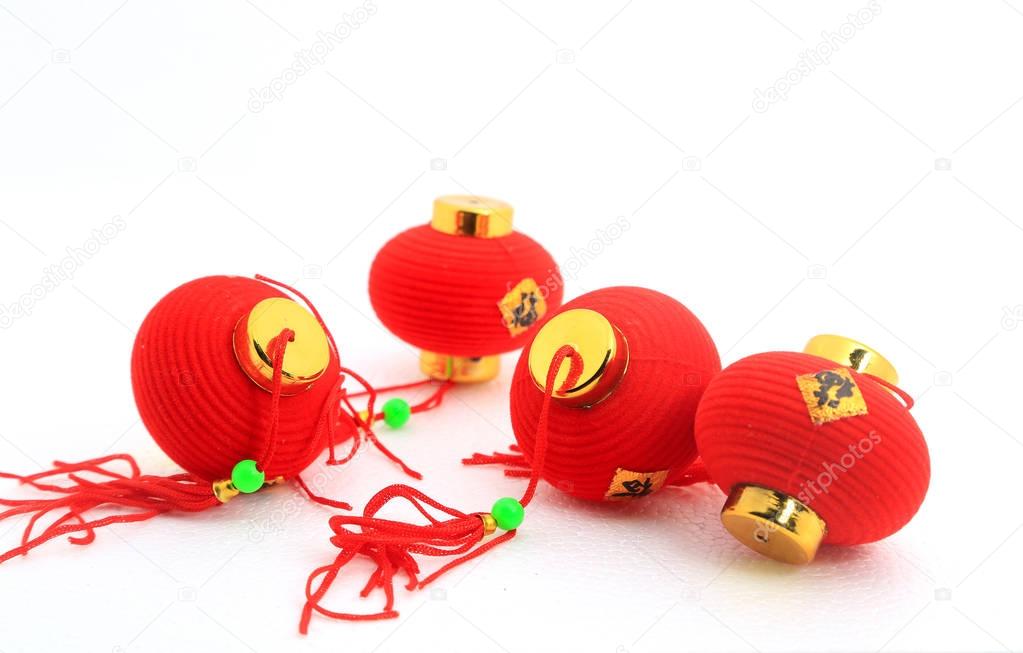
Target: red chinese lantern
(608,439)
(585,419)
(812,447)
(464,288)
(238,383)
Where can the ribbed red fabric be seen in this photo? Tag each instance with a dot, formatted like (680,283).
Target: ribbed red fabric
(196,401)
(753,427)
(646,425)
(440,292)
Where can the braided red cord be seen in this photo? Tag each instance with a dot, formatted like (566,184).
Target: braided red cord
(276,349)
(435,399)
(393,388)
(332,503)
(514,458)
(364,427)
(148,495)
(392,544)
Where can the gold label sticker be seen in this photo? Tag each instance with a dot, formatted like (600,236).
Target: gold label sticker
(831,395)
(522,307)
(627,484)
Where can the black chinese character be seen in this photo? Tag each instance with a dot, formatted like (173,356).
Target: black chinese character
(524,315)
(829,380)
(636,488)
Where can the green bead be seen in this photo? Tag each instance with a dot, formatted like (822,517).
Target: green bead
(246,477)
(396,412)
(508,513)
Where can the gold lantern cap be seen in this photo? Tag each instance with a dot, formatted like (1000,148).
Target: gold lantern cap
(854,354)
(471,215)
(773,524)
(306,357)
(601,345)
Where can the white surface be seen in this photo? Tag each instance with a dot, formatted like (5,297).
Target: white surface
(828,212)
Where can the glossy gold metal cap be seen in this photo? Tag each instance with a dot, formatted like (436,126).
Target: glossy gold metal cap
(460,369)
(306,357)
(489,523)
(603,348)
(469,215)
(773,524)
(225,490)
(849,352)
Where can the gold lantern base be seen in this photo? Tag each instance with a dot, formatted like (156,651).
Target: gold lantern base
(773,524)
(460,369)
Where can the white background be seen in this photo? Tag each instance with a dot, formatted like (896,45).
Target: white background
(880,199)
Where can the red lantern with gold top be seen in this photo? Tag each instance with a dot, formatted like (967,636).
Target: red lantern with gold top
(237,382)
(625,429)
(814,447)
(464,288)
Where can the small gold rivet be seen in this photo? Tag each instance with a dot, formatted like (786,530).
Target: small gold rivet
(853,354)
(773,524)
(469,215)
(225,490)
(306,357)
(489,523)
(603,348)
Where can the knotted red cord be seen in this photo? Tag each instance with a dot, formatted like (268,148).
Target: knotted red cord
(392,544)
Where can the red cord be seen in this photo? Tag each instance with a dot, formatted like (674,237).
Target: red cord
(276,349)
(364,429)
(393,388)
(148,495)
(332,503)
(365,426)
(907,398)
(433,401)
(392,544)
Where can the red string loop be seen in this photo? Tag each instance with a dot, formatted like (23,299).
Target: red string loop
(907,399)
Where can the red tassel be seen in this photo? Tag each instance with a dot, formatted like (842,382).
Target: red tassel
(392,544)
(514,459)
(149,496)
